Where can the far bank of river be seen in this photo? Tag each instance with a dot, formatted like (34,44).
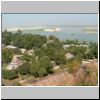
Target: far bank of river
(71,33)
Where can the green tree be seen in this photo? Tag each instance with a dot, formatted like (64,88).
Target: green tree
(16,83)
(24,68)
(9,74)
(7,55)
(45,62)
(17,51)
(34,68)
(42,72)
(55,39)
(26,57)
(6,37)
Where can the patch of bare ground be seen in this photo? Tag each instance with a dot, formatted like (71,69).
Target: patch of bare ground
(59,79)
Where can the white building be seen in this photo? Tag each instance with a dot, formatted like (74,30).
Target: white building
(14,63)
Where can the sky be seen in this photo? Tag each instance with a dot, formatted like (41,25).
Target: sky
(20,20)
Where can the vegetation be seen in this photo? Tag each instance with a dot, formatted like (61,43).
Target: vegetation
(7,55)
(9,74)
(41,67)
(46,50)
(27,41)
(16,83)
(73,65)
(23,69)
(87,75)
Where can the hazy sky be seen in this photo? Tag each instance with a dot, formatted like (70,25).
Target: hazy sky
(14,20)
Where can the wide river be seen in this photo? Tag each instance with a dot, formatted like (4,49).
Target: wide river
(71,33)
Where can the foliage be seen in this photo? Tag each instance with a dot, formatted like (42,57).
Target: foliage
(7,55)
(24,68)
(77,50)
(76,42)
(52,51)
(17,51)
(16,83)
(12,74)
(73,65)
(6,37)
(34,68)
(26,57)
(41,67)
(42,72)
(45,63)
(29,41)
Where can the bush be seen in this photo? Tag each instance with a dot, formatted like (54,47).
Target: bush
(73,65)
(6,74)
(44,62)
(7,55)
(16,83)
(34,68)
(41,67)
(23,69)
(42,72)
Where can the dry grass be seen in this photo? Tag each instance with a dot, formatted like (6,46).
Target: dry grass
(61,79)
(87,75)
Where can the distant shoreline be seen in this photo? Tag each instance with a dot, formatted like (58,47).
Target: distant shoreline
(45,26)
(90,30)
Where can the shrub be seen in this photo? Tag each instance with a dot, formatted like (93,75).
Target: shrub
(6,74)
(24,68)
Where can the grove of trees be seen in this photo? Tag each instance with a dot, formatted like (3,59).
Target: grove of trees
(52,51)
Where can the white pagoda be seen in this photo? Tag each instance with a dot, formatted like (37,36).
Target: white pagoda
(14,63)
